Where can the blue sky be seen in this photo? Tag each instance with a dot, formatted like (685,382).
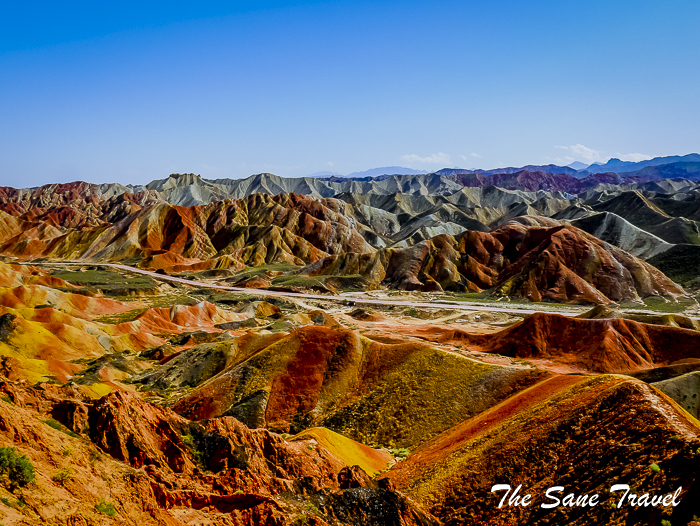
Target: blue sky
(133,92)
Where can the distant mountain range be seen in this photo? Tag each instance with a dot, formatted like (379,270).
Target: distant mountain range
(547,168)
(387,170)
(618,166)
(372,172)
(402,210)
(576,169)
(192,189)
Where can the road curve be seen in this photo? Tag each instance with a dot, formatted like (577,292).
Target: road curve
(369,301)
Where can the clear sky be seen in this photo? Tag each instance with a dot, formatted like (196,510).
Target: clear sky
(134,91)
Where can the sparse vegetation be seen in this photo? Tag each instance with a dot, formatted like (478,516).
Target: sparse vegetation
(63,475)
(402,396)
(161,301)
(122,317)
(197,453)
(95,456)
(659,304)
(261,271)
(106,508)
(680,263)
(58,426)
(15,469)
(18,504)
(302,282)
(400,452)
(469,296)
(108,281)
(5,398)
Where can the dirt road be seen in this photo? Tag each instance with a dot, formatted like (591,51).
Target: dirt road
(324,297)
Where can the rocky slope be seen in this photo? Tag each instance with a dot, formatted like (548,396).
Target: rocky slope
(644,213)
(597,345)
(681,263)
(553,262)
(124,458)
(612,431)
(331,377)
(139,401)
(255,230)
(684,389)
(619,232)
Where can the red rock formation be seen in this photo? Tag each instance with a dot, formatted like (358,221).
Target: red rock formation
(604,346)
(256,230)
(393,394)
(560,263)
(219,473)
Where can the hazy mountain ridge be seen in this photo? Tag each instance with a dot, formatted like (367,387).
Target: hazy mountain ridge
(616,165)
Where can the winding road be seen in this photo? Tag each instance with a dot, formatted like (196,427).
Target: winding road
(324,297)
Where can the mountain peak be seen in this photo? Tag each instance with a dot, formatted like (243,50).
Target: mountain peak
(177,180)
(185,175)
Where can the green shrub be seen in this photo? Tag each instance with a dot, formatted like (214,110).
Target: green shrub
(16,469)
(400,452)
(95,455)
(191,443)
(19,504)
(63,475)
(106,508)
(58,426)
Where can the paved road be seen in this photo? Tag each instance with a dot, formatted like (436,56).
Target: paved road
(324,297)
